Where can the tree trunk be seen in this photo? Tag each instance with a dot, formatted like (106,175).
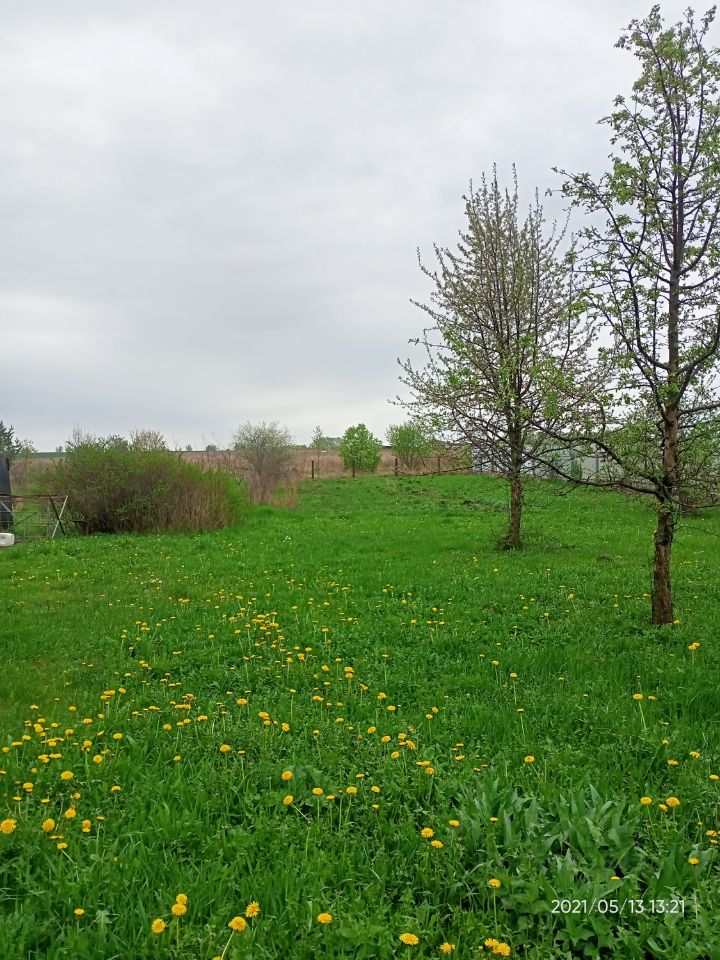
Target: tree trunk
(512,537)
(662,605)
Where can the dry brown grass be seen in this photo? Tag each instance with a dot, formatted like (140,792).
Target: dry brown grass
(328,465)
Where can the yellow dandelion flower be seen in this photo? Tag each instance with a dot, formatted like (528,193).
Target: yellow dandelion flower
(67,775)
(286,775)
(178,909)
(70,813)
(672,802)
(318,791)
(238,924)
(494,883)
(351,790)
(79,912)
(454,823)
(427,832)
(8,826)
(86,825)
(438,844)
(288,799)
(181,898)
(157,926)
(694,861)
(48,825)
(646,801)
(409,939)
(529,758)
(252,909)
(225,748)
(324,918)
(447,947)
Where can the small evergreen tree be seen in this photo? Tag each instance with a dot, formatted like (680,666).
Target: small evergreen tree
(10,445)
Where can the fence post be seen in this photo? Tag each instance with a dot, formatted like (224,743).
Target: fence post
(353,468)
(396,467)
(438,464)
(6,502)
(312,469)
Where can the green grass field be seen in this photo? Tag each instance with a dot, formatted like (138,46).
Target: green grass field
(360,710)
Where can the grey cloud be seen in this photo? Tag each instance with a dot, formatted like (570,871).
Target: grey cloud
(209,213)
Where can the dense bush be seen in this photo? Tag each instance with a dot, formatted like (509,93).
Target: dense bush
(119,487)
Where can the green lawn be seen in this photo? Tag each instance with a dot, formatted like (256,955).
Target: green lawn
(468,715)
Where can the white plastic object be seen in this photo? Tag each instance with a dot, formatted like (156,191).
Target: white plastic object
(7,539)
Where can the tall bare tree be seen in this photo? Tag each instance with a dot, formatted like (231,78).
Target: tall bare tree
(501,310)
(650,264)
(267,449)
(318,443)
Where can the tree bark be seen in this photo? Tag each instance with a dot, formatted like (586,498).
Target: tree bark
(512,538)
(662,605)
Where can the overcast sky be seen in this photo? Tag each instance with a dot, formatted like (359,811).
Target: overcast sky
(209,213)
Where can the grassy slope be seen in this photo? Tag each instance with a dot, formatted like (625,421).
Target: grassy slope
(363,560)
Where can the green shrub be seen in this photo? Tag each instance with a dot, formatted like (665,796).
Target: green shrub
(412,442)
(115,487)
(359,449)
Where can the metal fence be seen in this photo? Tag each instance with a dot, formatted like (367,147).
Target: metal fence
(34,516)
